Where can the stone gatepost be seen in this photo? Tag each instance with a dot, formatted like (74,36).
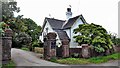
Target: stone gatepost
(50,46)
(0,50)
(65,48)
(6,46)
(85,51)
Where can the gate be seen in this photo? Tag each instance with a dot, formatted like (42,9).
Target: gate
(59,51)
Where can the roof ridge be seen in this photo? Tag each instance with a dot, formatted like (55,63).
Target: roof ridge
(55,19)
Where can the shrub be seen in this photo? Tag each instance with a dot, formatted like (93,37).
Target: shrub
(37,43)
(53,59)
(22,39)
(94,35)
(116,41)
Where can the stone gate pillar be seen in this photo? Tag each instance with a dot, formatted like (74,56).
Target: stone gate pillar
(6,46)
(65,48)
(50,46)
(85,51)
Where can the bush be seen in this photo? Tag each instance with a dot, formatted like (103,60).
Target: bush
(37,43)
(21,39)
(116,41)
(53,59)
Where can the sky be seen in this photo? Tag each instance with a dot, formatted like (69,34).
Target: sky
(101,12)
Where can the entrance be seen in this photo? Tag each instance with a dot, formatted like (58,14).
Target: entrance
(59,51)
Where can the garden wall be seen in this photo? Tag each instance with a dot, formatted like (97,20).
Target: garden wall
(117,48)
(75,51)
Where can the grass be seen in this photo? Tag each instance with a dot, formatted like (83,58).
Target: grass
(73,61)
(11,64)
(24,48)
(95,60)
(104,59)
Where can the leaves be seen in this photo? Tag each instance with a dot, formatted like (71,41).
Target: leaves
(95,35)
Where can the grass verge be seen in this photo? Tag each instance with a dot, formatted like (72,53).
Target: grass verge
(95,60)
(11,64)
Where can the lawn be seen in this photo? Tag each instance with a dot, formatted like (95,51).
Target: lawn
(95,60)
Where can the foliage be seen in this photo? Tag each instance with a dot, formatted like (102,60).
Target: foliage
(34,30)
(11,64)
(116,41)
(95,35)
(25,48)
(53,59)
(19,24)
(3,26)
(23,39)
(96,60)
(23,25)
(8,9)
(37,43)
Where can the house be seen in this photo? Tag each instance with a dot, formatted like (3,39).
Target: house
(63,28)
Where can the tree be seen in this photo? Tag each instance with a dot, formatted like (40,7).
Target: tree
(8,9)
(34,30)
(22,40)
(94,35)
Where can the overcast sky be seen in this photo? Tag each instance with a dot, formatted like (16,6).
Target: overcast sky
(102,12)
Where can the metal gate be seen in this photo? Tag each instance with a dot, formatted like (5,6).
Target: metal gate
(59,51)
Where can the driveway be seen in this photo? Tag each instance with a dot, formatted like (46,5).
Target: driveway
(25,58)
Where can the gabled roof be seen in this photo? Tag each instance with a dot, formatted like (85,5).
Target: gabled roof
(71,21)
(55,23)
(62,34)
(60,24)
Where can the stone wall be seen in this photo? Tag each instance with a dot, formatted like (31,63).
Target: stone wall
(75,50)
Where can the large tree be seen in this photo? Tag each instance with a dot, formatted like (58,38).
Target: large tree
(8,9)
(94,35)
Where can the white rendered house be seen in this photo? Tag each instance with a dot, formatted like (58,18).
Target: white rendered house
(63,28)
